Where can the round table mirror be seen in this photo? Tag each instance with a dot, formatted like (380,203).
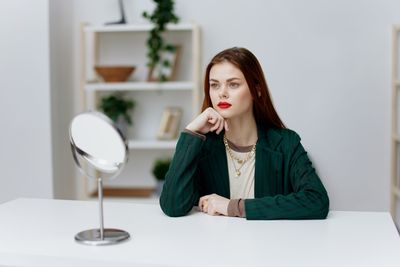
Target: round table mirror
(100,151)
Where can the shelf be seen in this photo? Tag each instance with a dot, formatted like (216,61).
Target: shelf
(136,28)
(107,43)
(140,86)
(152,144)
(125,192)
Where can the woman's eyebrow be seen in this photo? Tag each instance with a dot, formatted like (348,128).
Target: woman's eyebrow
(228,80)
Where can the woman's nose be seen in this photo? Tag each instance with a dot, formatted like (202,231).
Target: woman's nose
(223,92)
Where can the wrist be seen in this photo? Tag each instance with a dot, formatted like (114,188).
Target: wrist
(191,128)
(236,208)
(202,136)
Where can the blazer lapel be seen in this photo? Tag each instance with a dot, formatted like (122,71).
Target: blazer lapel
(268,164)
(218,163)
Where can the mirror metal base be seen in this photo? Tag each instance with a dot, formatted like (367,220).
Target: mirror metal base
(92,237)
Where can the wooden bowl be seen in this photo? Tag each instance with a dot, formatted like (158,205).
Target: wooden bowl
(114,73)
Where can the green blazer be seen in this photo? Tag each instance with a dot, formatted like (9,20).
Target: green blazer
(286,185)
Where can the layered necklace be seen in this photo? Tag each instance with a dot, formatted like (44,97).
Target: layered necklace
(236,160)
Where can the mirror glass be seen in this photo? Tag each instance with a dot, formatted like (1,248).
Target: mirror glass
(99,148)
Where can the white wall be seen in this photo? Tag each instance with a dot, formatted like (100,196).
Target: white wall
(25,140)
(62,82)
(328,67)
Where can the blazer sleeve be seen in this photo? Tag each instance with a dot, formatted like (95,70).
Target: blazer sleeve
(180,192)
(309,199)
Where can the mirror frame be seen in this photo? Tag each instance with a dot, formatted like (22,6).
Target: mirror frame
(77,152)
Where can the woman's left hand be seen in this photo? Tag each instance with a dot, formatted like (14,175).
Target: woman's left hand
(214,204)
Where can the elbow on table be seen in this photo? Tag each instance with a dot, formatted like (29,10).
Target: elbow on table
(323,209)
(322,214)
(171,210)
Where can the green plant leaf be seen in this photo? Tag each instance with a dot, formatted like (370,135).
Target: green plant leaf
(166,63)
(161,16)
(160,168)
(115,106)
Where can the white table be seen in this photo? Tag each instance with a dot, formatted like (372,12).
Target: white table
(39,232)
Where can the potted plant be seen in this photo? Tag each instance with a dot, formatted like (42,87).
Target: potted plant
(161,16)
(160,169)
(117,109)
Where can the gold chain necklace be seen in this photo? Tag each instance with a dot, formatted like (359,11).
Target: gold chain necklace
(241,162)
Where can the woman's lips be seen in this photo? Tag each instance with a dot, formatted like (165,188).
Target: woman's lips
(224,105)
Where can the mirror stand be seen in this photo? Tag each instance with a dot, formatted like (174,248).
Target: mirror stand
(101,236)
(99,160)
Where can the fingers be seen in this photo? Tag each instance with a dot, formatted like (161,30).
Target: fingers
(203,203)
(212,119)
(226,125)
(217,125)
(209,204)
(205,206)
(202,123)
(208,121)
(217,121)
(221,126)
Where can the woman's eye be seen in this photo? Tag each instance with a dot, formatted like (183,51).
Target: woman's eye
(214,85)
(233,85)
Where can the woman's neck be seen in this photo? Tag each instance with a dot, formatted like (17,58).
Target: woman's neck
(242,131)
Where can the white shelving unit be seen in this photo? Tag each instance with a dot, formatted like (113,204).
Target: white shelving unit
(151,144)
(126,45)
(139,86)
(137,28)
(395,138)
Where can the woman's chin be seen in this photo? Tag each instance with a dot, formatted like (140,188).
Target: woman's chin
(225,113)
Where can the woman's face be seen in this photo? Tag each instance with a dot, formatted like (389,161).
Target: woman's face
(229,92)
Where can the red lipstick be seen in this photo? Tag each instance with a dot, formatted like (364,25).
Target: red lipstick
(224,105)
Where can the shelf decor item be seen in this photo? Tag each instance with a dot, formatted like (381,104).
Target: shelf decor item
(117,109)
(170,121)
(121,10)
(160,169)
(168,68)
(156,45)
(114,73)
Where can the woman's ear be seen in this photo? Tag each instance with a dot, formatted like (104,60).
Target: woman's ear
(259,94)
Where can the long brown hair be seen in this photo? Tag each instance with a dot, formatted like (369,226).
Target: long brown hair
(263,108)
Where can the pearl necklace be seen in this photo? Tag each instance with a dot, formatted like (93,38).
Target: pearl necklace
(241,162)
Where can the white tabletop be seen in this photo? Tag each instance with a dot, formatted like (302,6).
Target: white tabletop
(39,232)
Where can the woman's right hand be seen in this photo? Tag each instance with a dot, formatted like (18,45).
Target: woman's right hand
(208,121)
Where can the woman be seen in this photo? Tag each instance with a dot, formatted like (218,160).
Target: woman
(237,158)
